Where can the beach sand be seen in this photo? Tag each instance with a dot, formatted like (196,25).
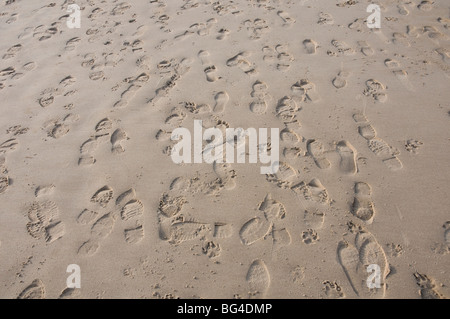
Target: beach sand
(87,176)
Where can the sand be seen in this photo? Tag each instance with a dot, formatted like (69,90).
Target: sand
(87,176)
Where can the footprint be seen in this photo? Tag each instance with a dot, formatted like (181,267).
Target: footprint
(258,279)
(284,58)
(288,21)
(402,75)
(117,138)
(362,206)
(256,28)
(378,146)
(170,206)
(44,190)
(35,290)
(290,137)
(134,235)
(355,259)
(88,248)
(11,52)
(413,146)
(103,196)
(223,34)
(8,145)
(259,93)
(222,230)
(226,174)
(4,183)
(254,230)
(186,231)
(343,47)
(210,72)
(366,49)
(86,217)
(285,177)
(272,209)
(325,18)
(447,233)
(427,287)
(70,293)
(332,290)
(313,191)
(400,38)
(54,231)
(313,218)
(71,44)
(135,85)
(221,100)
(310,236)
(347,154)
(281,238)
(46,100)
(443,52)
(211,249)
(240,60)
(44,223)
(306,90)
(388,156)
(340,81)
(133,208)
(316,150)
(310,46)
(375,89)
(287,110)
(425,5)
(402,10)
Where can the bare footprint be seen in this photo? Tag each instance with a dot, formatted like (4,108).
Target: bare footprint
(254,230)
(117,138)
(347,154)
(316,150)
(310,46)
(35,290)
(362,206)
(427,287)
(221,100)
(288,21)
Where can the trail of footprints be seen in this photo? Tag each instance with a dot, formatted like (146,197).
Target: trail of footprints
(175,227)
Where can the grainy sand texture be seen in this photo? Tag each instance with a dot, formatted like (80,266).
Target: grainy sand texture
(89,121)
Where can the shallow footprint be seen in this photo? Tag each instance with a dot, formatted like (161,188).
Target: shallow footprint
(340,81)
(310,46)
(221,99)
(258,279)
(35,290)
(117,138)
(317,150)
(347,154)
